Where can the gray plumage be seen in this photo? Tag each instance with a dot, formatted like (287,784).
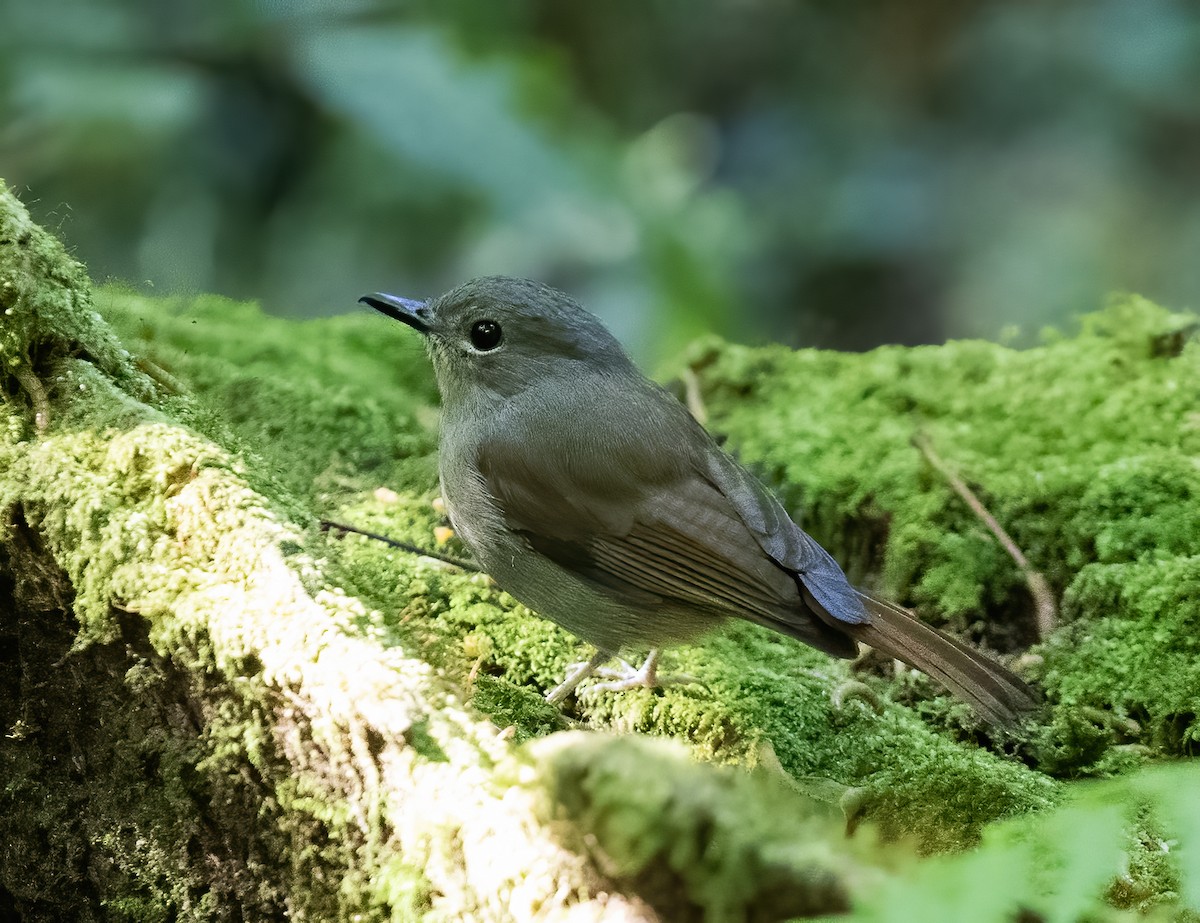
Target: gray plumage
(592,495)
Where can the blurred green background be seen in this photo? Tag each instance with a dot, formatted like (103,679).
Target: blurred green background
(832,174)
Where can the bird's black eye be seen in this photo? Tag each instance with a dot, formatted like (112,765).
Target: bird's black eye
(486,335)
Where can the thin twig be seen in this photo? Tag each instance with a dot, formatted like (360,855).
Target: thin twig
(37,396)
(327,524)
(1039,588)
(168,381)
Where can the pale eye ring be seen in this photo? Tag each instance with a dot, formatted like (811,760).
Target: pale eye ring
(486,335)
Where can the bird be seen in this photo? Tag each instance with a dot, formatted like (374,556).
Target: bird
(592,495)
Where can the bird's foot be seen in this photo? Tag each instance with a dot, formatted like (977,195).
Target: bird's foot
(646,677)
(577,673)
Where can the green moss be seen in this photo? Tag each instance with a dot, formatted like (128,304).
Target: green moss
(518,707)
(1084,449)
(1120,843)
(319,408)
(1138,654)
(46,311)
(732,845)
(1029,429)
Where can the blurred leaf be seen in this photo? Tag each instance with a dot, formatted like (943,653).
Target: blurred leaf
(1061,864)
(409,87)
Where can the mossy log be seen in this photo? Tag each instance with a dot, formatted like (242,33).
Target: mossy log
(213,710)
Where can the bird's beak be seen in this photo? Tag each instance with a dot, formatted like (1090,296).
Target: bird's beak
(405,310)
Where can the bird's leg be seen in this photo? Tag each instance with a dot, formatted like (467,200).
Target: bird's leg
(576,676)
(646,676)
(619,680)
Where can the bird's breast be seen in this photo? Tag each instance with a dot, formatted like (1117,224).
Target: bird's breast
(474,513)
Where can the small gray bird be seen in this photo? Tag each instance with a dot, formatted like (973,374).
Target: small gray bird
(591,495)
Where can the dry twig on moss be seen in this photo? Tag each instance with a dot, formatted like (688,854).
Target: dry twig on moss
(1046,609)
(32,386)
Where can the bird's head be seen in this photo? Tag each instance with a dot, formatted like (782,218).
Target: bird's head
(497,336)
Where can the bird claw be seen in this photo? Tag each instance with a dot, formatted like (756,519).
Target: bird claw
(618,680)
(644,677)
(637,681)
(576,674)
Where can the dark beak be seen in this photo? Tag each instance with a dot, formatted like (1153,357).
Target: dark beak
(405,310)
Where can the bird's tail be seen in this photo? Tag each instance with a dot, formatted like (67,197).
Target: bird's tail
(995,692)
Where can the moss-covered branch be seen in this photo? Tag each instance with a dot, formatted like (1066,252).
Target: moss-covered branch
(213,710)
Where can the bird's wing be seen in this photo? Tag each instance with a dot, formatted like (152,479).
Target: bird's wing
(784,542)
(645,525)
